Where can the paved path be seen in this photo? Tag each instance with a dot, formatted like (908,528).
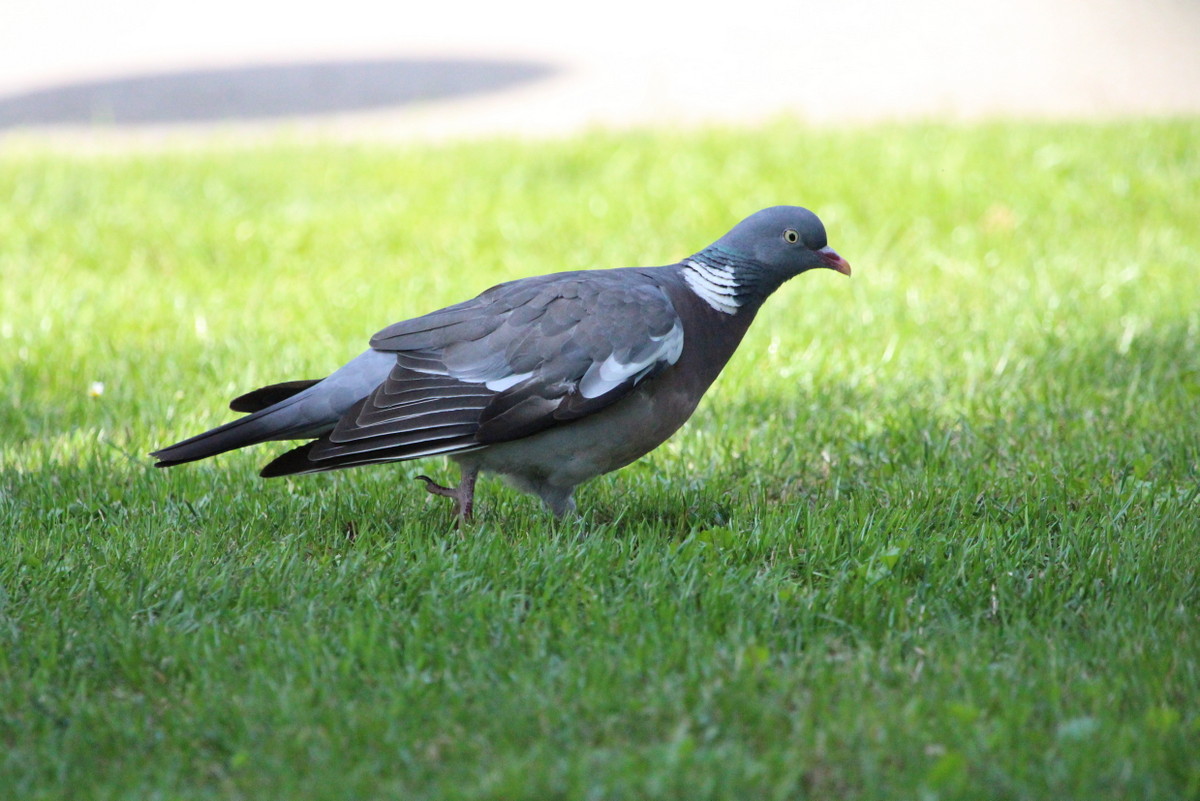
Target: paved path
(145,71)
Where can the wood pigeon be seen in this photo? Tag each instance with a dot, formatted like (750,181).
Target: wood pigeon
(547,381)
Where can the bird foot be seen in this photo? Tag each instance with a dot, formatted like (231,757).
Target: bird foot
(463,495)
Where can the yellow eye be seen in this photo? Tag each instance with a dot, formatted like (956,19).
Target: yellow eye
(790,236)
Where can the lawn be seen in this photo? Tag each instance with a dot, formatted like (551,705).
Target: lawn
(933,533)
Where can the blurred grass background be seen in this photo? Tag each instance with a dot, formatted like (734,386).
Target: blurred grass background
(932,532)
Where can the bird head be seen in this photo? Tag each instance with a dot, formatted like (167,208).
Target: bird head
(758,255)
(788,239)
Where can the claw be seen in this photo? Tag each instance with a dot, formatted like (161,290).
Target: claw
(433,488)
(463,495)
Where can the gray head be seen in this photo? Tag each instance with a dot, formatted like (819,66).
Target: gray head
(760,253)
(786,237)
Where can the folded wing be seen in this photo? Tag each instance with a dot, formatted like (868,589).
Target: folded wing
(518,359)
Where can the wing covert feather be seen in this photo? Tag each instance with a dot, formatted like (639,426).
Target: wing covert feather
(519,358)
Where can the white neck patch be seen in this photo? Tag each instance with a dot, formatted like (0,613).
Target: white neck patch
(716,285)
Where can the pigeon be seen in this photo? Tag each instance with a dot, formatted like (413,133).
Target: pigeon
(547,381)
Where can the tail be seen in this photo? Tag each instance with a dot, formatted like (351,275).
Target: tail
(275,415)
(291,410)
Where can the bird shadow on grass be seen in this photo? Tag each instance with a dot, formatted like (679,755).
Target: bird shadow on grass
(1089,409)
(1079,411)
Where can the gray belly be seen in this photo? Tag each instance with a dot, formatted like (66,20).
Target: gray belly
(553,462)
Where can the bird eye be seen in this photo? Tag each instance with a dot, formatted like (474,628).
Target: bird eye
(790,236)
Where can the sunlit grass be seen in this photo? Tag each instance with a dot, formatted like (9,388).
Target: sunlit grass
(932,534)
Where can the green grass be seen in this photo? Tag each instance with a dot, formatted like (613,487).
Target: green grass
(933,534)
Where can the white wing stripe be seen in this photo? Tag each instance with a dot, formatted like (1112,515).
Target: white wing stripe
(612,372)
(501,384)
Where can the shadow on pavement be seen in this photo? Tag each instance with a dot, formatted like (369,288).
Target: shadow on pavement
(261,92)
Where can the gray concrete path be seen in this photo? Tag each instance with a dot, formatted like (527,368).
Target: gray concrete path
(149,71)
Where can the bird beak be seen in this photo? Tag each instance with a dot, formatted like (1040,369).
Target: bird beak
(833,261)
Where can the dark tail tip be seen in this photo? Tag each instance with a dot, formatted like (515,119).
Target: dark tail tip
(268,396)
(165,460)
(289,464)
